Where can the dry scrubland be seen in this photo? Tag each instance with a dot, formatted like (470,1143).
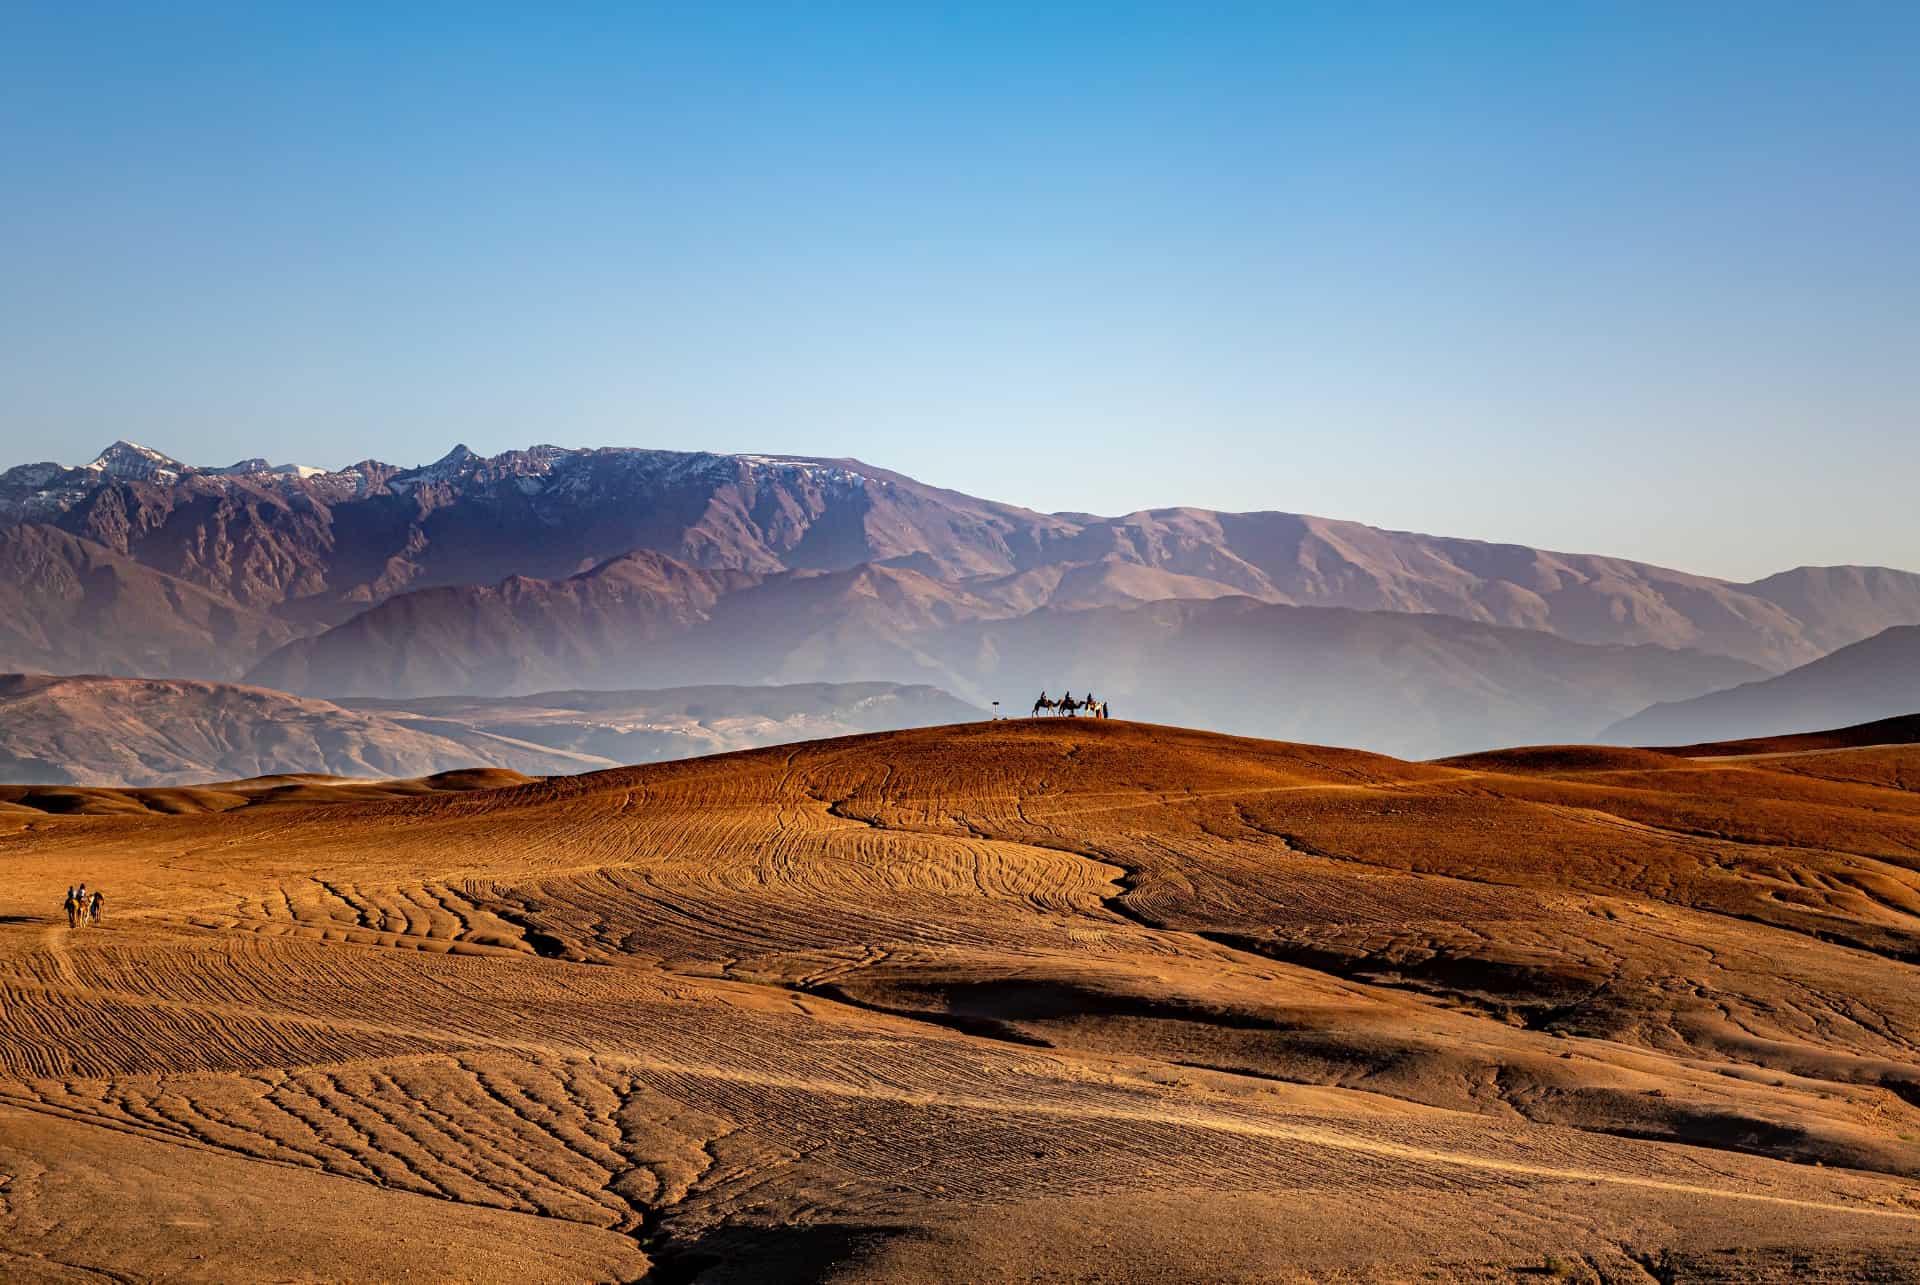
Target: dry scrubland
(1013,1001)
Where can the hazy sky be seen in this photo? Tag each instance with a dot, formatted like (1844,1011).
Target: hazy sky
(1630,278)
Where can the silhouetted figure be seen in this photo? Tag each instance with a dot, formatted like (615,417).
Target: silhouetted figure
(95,906)
(73,907)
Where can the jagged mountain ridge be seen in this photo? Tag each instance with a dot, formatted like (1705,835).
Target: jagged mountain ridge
(313,549)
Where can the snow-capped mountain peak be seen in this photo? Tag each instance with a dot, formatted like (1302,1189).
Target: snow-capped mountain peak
(134,462)
(259,467)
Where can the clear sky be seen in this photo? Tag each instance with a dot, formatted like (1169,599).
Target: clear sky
(1622,277)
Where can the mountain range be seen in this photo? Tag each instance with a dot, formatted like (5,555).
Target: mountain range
(553,568)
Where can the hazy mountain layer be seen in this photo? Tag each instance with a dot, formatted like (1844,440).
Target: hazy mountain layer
(651,726)
(142,731)
(72,605)
(1410,684)
(1875,679)
(96,730)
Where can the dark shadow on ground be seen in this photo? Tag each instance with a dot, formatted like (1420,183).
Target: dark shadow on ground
(774,1255)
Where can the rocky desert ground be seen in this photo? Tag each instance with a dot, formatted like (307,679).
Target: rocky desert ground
(1059,1000)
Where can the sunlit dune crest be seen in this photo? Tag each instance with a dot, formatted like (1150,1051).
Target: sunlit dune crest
(1005,1001)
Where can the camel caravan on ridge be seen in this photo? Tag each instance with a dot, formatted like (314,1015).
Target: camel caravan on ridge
(1070,707)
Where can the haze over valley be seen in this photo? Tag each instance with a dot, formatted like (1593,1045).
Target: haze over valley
(551,569)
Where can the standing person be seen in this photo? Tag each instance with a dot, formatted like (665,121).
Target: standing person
(95,906)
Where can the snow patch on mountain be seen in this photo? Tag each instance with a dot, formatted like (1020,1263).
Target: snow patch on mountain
(133,462)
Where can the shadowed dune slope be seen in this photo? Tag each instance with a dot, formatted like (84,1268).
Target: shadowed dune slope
(1004,1001)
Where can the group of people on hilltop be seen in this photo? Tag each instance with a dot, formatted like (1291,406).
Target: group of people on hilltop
(1070,707)
(84,907)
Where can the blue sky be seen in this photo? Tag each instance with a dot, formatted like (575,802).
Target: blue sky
(1629,278)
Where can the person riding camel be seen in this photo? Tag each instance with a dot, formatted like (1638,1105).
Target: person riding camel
(73,907)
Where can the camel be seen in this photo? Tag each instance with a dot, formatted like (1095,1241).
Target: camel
(1068,707)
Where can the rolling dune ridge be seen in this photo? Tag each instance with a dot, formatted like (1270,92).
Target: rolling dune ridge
(1055,1000)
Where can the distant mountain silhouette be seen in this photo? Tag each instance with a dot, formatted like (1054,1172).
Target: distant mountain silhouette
(521,635)
(1875,679)
(315,548)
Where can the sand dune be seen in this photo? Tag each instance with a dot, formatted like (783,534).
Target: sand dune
(1009,1001)
(1904,729)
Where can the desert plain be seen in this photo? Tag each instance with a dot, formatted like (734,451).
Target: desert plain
(1058,1000)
